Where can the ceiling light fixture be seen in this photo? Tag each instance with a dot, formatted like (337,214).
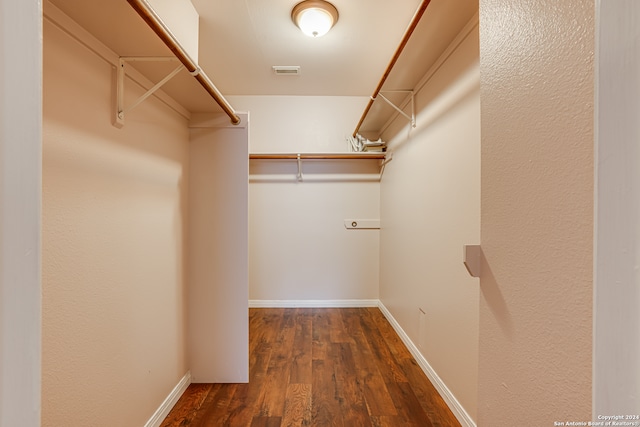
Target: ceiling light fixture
(314,17)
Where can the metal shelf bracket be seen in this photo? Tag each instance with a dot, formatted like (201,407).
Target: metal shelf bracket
(411,118)
(120,108)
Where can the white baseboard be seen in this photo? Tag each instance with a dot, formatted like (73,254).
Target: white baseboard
(346,303)
(463,417)
(166,406)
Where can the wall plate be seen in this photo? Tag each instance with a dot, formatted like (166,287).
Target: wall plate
(352,224)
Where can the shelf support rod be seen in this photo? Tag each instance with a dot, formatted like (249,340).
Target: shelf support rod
(411,118)
(120,108)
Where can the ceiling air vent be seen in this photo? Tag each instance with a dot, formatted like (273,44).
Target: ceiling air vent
(286,70)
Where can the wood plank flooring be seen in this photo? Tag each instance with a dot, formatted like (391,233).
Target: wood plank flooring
(319,367)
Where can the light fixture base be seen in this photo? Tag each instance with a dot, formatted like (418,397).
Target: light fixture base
(314,17)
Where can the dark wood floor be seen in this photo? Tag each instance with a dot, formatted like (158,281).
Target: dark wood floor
(319,367)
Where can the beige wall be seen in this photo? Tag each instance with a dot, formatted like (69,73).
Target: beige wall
(536,68)
(299,247)
(114,205)
(430,208)
(218,250)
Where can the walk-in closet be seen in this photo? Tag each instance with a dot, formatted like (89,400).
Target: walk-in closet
(426,172)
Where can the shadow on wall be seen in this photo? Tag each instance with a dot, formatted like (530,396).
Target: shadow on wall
(440,95)
(449,82)
(490,291)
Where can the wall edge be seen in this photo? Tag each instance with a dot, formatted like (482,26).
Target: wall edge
(449,398)
(171,400)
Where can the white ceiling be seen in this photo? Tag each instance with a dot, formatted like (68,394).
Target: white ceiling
(240,41)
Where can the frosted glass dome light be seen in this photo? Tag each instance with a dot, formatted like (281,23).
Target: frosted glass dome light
(314,17)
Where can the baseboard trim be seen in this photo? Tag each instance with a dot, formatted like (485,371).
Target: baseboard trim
(347,303)
(166,406)
(455,406)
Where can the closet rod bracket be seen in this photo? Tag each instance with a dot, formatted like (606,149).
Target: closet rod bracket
(121,110)
(299,168)
(412,117)
(387,158)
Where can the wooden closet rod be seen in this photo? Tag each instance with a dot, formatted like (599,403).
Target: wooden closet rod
(159,27)
(407,35)
(318,156)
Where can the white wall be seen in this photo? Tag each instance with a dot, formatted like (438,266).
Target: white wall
(616,381)
(430,209)
(218,250)
(114,230)
(299,247)
(536,91)
(20,192)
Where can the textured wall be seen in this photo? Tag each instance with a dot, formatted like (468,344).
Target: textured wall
(114,205)
(430,204)
(536,68)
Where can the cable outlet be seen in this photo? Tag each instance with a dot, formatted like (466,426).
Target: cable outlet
(422,329)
